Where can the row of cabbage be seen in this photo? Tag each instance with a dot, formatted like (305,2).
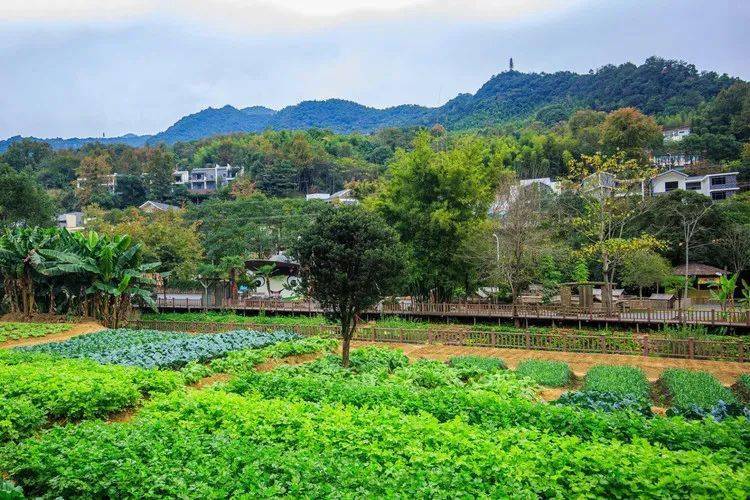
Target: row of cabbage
(157,349)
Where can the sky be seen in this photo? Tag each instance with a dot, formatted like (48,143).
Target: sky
(81,68)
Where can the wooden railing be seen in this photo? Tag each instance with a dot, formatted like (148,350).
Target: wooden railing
(709,317)
(560,340)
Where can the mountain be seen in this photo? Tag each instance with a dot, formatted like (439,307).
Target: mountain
(658,86)
(77,142)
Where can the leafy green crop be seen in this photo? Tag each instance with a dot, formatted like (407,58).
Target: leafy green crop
(209,444)
(238,362)
(472,367)
(37,387)
(743,387)
(619,380)
(689,388)
(547,373)
(606,401)
(17,331)
(151,349)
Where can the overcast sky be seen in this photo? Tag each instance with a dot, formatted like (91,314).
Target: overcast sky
(86,67)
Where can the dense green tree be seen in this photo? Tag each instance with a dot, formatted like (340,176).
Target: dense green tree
(22,200)
(27,154)
(159,169)
(432,199)
(629,130)
(644,269)
(349,260)
(131,191)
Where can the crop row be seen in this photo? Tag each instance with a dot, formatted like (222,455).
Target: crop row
(156,349)
(36,388)
(17,331)
(210,444)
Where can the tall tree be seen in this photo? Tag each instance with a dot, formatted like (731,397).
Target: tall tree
(433,199)
(22,200)
(93,175)
(349,260)
(159,169)
(629,130)
(643,269)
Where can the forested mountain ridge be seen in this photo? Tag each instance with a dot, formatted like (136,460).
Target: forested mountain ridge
(658,86)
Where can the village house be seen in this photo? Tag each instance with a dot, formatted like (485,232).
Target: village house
(717,186)
(207,179)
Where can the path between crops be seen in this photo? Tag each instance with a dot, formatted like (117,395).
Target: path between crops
(726,371)
(77,329)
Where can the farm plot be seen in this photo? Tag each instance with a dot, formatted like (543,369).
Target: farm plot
(37,388)
(698,394)
(156,349)
(19,331)
(286,433)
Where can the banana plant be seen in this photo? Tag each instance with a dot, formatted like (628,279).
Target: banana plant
(723,290)
(745,300)
(20,261)
(110,269)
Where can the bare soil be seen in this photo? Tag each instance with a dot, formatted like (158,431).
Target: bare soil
(211,380)
(77,329)
(726,371)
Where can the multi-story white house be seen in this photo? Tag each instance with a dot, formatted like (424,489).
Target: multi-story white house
(109,180)
(671,160)
(675,134)
(206,179)
(717,186)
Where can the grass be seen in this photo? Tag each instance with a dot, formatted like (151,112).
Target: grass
(691,388)
(18,331)
(547,373)
(618,380)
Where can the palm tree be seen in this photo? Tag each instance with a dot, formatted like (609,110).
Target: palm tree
(723,290)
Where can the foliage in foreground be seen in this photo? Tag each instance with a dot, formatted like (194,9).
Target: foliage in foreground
(547,373)
(156,349)
(230,445)
(36,387)
(18,331)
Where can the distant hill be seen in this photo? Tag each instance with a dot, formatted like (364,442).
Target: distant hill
(658,86)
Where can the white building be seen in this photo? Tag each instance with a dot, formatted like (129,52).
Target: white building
(716,186)
(151,206)
(343,197)
(675,134)
(504,200)
(207,179)
(72,221)
(109,181)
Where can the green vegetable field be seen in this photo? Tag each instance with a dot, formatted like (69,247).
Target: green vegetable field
(18,331)
(124,414)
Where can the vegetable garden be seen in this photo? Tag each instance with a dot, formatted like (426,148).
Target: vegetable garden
(115,414)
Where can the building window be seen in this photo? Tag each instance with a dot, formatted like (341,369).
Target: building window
(718,181)
(693,186)
(720,195)
(671,185)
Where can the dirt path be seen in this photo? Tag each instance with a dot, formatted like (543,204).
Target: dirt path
(77,329)
(726,371)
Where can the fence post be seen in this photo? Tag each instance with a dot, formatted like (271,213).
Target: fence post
(713,316)
(493,339)
(429,336)
(645,345)
(374,333)
(691,348)
(603,344)
(527,335)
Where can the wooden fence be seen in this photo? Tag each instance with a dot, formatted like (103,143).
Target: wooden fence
(635,344)
(713,317)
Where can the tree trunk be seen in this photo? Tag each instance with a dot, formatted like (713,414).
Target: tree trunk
(345,351)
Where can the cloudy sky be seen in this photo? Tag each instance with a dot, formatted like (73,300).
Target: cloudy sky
(88,67)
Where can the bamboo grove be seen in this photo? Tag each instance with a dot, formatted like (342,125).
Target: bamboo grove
(83,274)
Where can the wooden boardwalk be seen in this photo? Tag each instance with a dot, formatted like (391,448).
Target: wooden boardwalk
(734,318)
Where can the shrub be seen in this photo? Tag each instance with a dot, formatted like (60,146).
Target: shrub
(151,349)
(211,444)
(221,317)
(618,380)
(547,373)
(690,391)
(605,401)
(472,367)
